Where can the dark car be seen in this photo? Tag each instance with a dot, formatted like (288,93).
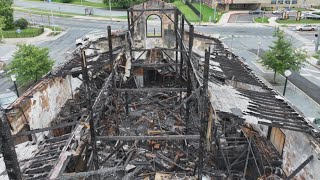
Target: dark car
(257,11)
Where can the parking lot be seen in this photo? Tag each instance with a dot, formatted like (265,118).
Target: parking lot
(310,35)
(245,17)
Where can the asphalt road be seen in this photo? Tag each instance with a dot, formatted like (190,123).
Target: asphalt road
(69,8)
(243,38)
(81,24)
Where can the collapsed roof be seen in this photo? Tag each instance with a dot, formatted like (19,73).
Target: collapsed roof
(175,106)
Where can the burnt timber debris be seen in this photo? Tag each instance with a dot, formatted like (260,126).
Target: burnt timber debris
(180,106)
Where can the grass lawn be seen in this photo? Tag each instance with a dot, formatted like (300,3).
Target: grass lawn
(41,12)
(188,13)
(300,9)
(261,20)
(58,13)
(303,21)
(25,33)
(207,12)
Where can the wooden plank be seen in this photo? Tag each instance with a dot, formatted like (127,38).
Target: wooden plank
(80,175)
(147,138)
(153,65)
(154,9)
(152,90)
(26,133)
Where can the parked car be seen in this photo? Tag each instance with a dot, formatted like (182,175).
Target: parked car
(310,16)
(257,11)
(277,12)
(307,27)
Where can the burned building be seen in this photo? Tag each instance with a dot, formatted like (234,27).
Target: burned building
(156,102)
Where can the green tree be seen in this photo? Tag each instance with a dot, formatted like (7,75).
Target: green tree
(30,63)
(282,55)
(123,3)
(317,56)
(2,25)
(7,12)
(21,23)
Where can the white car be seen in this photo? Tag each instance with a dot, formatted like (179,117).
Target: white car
(277,12)
(307,27)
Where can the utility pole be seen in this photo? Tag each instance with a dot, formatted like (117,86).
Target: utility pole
(214,4)
(290,4)
(200,12)
(258,51)
(110,9)
(54,28)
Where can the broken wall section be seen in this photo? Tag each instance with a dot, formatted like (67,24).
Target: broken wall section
(167,40)
(40,104)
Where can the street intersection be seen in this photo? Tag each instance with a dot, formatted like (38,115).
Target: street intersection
(244,38)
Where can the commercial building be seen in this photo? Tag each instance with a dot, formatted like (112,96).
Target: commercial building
(254,4)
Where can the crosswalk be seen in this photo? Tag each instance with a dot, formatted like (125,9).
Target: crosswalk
(246,36)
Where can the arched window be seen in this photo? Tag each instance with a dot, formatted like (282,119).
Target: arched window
(154,26)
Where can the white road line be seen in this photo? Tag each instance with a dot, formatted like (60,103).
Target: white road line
(310,70)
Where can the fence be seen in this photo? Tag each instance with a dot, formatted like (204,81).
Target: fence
(195,10)
(30,32)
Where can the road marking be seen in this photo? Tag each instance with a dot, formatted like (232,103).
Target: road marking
(310,70)
(247,36)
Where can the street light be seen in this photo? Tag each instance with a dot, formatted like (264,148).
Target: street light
(287,73)
(258,51)
(13,78)
(110,9)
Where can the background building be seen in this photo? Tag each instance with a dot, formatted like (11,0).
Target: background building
(254,4)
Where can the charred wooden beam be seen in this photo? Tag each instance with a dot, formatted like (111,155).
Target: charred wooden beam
(285,126)
(147,138)
(8,149)
(88,98)
(26,133)
(189,70)
(204,112)
(151,90)
(110,45)
(296,171)
(155,9)
(138,56)
(80,175)
(160,48)
(153,65)
(181,54)
(176,25)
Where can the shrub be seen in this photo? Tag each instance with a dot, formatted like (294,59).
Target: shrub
(66,1)
(21,23)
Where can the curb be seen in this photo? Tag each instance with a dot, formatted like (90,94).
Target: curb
(32,40)
(100,19)
(316,66)
(79,5)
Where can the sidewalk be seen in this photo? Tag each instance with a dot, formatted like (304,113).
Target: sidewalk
(224,18)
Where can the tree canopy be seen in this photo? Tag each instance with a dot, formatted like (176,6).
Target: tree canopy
(123,3)
(30,63)
(2,25)
(282,55)
(7,13)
